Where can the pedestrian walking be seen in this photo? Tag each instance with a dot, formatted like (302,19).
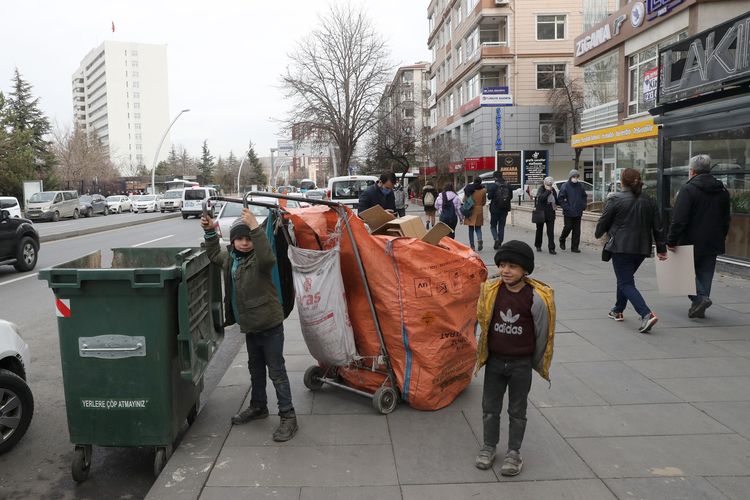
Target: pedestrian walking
(573,200)
(399,196)
(632,222)
(516,315)
(380,193)
(700,217)
(429,197)
(546,200)
(251,300)
(448,207)
(475,197)
(500,196)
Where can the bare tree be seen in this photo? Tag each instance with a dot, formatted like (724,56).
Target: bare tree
(567,104)
(82,159)
(391,147)
(336,77)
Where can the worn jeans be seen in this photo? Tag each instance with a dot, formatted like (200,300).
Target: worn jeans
(625,266)
(550,234)
(705,265)
(266,349)
(497,225)
(572,224)
(516,376)
(472,230)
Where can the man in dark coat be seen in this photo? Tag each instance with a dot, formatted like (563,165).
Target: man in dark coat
(700,217)
(500,196)
(573,200)
(380,193)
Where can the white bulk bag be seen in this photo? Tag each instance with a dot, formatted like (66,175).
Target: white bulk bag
(321,305)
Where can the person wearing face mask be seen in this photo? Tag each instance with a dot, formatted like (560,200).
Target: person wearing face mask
(380,193)
(573,200)
(546,199)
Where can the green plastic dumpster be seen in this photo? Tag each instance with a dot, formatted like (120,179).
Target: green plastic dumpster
(135,341)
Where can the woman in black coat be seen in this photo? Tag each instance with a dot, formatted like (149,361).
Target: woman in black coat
(546,199)
(633,224)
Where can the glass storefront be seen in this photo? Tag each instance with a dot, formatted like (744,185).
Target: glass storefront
(611,159)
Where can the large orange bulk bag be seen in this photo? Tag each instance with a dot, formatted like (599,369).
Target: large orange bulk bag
(425,297)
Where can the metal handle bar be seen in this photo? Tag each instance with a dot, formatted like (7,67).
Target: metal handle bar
(85,348)
(311,201)
(245,202)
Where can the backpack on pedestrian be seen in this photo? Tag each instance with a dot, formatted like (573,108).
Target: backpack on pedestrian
(448,214)
(468,206)
(429,199)
(501,198)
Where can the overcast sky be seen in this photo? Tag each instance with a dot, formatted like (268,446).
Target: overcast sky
(225,57)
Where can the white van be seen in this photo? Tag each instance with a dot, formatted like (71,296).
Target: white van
(51,205)
(192,200)
(346,189)
(306,185)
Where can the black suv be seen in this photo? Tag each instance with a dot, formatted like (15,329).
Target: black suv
(19,242)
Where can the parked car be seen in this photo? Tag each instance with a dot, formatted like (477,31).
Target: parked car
(51,205)
(19,242)
(316,194)
(119,203)
(93,204)
(192,200)
(16,399)
(10,203)
(144,203)
(172,201)
(346,189)
(230,211)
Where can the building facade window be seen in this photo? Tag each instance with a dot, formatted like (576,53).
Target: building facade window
(134,64)
(137,126)
(472,87)
(550,27)
(638,65)
(136,95)
(550,76)
(600,81)
(459,54)
(136,116)
(551,131)
(459,12)
(493,78)
(136,105)
(448,67)
(594,11)
(470,4)
(136,84)
(451,103)
(472,43)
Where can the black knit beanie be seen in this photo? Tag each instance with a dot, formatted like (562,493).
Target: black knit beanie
(238,229)
(516,252)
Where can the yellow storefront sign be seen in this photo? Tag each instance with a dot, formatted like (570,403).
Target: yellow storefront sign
(621,133)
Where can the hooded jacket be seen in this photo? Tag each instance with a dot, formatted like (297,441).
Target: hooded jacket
(701,215)
(633,224)
(573,199)
(543,311)
(374,196)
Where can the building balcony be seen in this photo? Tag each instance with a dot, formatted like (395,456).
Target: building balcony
(496,49)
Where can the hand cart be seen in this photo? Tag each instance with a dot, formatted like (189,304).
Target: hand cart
(386,397)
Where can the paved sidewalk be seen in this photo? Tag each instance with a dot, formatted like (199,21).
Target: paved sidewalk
(658,416)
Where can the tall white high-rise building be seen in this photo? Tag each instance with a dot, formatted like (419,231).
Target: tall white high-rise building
(120,93)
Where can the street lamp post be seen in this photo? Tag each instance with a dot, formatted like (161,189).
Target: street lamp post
(156,155)
(273,175)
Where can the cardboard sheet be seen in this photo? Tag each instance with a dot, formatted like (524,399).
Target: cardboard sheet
(676,275)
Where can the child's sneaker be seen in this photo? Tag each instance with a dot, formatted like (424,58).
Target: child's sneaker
(485,458)
(512,463)
(615,315)
(647,322)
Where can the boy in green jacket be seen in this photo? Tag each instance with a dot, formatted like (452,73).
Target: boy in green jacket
(251,300)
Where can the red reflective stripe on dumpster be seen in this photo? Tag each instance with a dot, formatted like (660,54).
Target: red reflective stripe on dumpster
(63,307)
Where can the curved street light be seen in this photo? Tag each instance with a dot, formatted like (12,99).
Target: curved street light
(156,155)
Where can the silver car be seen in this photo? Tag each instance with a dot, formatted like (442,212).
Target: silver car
(230,211)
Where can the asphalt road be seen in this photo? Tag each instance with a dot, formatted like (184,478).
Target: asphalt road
(49,228)
(39,466)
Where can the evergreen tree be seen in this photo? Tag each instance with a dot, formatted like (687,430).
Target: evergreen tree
(206,165)
(257,174)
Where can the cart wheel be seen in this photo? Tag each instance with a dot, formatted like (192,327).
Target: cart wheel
(81,463)
(312,378)
(385,400)
(160,460)
(193,414)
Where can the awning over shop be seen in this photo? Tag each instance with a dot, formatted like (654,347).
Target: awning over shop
(620,133)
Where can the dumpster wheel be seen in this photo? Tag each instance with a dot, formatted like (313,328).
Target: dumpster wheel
(81,464)
(385,400)
(193,414)
(312,378)
(160,458)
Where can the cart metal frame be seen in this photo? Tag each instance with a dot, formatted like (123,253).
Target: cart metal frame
(386,397)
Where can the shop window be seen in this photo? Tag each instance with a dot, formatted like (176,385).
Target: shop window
(550,27)
(550,76)
(641,66)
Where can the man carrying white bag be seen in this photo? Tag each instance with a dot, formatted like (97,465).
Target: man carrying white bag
(321,304)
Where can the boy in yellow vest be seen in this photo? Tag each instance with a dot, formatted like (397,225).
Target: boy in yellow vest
(517,319)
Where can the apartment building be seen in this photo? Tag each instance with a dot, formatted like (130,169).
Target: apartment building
(120,93)
(481,50)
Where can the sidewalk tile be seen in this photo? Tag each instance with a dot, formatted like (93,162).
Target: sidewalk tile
(214,417)
(693,367)
(680,344)
(434,447)
(331,400)
(632,420)
(736,347)
(733,414)
(578,353)
(713,331)
(521,490)
(302,397)
(617,383)
(315,430)
(545,453)
(299,362)
(684,488)
(620,340)
(273,466)
(352,493)
(649,456)
(245,492)
(709,388)
(735,488)
(566,390)
(743,308)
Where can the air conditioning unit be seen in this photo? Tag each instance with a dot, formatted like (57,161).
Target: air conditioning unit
(546,133)
(502,2)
